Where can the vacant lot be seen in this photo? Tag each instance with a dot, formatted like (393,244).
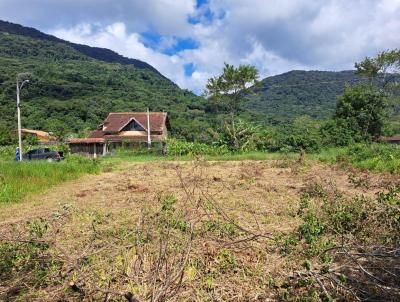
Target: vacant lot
(193,231)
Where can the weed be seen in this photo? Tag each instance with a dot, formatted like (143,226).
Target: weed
(167,202)
(304,203)
(286,243)
(37,228)
(315,189)
(391,197)
(219,228)
(359,181)
(27,260)
(179,225)
(311,228)
(226,260)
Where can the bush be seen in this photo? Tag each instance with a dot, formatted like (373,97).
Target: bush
(7,137)
(181,148)
(377,157)
(7,152)
(338,133)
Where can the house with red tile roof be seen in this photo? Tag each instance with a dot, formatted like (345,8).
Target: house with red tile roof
(390,139)
(128,129)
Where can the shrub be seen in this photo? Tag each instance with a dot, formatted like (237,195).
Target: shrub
(7,137)
(378,157)
(180,148)
(311,228)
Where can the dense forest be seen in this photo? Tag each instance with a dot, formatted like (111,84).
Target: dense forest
(97,53)
(296,93)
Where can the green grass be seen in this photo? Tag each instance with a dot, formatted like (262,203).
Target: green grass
(7,152)
(384,158)
(142,157)
(328,155)
(381,158)
(18,180)
(375,157)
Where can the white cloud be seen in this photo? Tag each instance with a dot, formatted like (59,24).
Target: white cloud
(165,16)
(115,37)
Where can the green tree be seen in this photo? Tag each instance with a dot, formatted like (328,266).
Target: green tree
(7,137)
(57,128)
(230,88)
(31,139)
(245,135)
(338,132)
(363,108)
(385,66)
(302,134)
(384,71)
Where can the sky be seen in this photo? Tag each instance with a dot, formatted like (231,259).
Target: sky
(188,41)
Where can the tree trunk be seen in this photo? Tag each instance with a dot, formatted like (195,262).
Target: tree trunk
(235,140)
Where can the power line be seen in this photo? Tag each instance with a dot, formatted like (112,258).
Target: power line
(311,83)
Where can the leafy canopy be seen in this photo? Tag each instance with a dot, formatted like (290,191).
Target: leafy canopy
(386,64)
(363,108)
(230,88)
(232,84)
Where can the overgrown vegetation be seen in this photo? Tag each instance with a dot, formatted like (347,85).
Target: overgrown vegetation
(374,157)
(349,247)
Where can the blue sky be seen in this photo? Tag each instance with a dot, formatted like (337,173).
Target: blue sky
(188,40)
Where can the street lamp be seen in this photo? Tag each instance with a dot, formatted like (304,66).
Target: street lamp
(19,87)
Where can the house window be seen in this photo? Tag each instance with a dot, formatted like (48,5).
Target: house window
(133,126)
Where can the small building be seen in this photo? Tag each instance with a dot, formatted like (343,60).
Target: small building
(124,129)
(88,146)
(390,139)
(41,136)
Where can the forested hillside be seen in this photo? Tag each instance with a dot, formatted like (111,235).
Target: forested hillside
(286,96)
(97,53)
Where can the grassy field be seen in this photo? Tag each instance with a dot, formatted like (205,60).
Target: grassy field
(18,180)
(249,230)
(374,157)
(129,156)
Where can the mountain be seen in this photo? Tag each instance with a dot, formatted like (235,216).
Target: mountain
(282,97)
(97,53)
(74,86)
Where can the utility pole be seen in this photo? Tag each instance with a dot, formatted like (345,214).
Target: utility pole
(148,130)
(19,87)
(19,123)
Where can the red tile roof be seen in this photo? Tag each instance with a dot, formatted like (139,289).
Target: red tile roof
(141,138)
(116,121)
(390,138)
(96,134)
(85,140)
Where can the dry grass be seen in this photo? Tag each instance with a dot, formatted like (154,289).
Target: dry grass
(175,231)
